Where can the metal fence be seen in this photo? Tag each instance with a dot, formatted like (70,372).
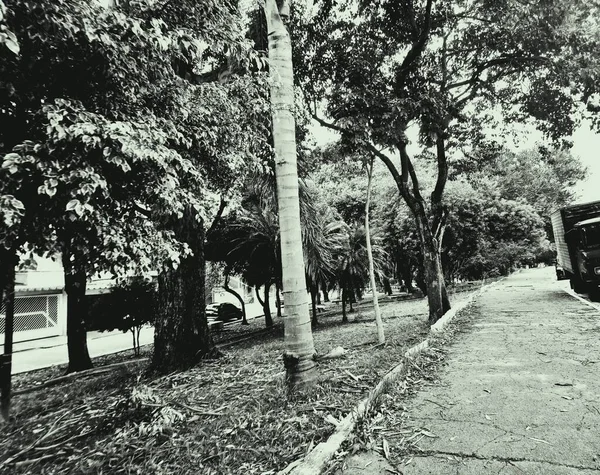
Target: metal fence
(36,314)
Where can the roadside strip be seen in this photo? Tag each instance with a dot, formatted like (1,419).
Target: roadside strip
(317,459)
(579,297)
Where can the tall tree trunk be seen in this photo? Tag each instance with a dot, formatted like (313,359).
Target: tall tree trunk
(237,296)
(378,321)
(267,306)
(428,232)
(318,294)
(387,287)
(358,294)
(258,297)
(434,280)
(278,300)
(314,290)
(406,276)
(325,292)
(445,299)
(299,352)
(75,285)
(8,263)
(344,298)
(181,333)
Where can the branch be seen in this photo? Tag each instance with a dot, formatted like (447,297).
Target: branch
(442,165)
(414,202)
(417,47)
(140,209)
(440,227)
(500,61)
(413,177)
(331,125)
(222,206)
(390,165)
(417,205)
(413,23)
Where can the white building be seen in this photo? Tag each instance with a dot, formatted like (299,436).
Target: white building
(41,301)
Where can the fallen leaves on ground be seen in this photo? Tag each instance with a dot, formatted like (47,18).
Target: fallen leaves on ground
(226,416)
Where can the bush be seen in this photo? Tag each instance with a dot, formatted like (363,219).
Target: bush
(130,305)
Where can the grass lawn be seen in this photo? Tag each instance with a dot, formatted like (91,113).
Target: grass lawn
(225,416)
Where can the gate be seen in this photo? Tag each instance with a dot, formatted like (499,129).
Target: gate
(35,317)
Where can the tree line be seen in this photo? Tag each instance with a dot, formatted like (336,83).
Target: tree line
(139,137)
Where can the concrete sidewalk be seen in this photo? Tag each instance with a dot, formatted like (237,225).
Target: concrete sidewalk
(519,392)
(521,389)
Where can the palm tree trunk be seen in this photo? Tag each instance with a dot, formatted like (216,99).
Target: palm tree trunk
(299,351)
(378,321)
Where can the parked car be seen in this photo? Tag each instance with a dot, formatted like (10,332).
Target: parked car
(212,311)
(223,312)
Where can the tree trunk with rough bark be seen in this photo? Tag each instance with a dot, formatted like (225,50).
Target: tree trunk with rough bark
(430,232)
(299,352)
(344,298)
(8,263)
(314,291)
(278,300)
(387,287)
(258,297)
(267,307)
(433,281)
(378,321)
(75,286)
(406,276)
(181,332)
(325,293)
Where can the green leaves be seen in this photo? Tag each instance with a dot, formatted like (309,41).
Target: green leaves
(12,210)
(10,162)
(7,37)
(113,120)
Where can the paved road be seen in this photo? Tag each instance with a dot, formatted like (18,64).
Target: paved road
(519,393)
(53,351)
(43,353)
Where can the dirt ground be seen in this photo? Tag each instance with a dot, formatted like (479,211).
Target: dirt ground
(225,416)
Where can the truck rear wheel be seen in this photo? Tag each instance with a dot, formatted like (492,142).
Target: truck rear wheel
(578,286)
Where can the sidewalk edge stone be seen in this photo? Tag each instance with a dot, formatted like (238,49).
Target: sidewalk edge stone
(316,460)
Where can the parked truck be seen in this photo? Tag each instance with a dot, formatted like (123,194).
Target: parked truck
(577,237)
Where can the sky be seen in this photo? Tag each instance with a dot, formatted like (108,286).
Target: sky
(586,146)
